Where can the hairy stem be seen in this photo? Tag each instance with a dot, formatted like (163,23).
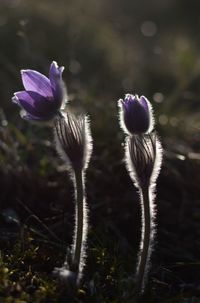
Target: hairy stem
(146,239)
(81,223)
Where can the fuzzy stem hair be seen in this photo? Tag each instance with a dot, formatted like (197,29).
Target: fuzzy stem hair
(146,242)
(81,224)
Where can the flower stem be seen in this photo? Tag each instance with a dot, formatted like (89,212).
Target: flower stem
(81,223)
(146,241)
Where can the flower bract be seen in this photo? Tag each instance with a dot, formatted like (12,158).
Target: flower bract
(73,140)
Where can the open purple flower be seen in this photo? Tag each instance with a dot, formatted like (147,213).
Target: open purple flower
(42,98)
(136,114)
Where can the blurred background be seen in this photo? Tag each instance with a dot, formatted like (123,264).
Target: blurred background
(108,48)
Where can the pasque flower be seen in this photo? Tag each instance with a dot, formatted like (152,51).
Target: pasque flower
(143,155)
(43,97)
(136,114)
(74,144)
(43,100)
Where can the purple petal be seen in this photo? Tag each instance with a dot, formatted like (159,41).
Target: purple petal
(55,71)
(144,103)
(36,82)
(35,104)
(129,98)
(55,76)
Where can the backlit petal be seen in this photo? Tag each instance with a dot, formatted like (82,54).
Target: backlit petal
(144,102)
(58,88)
(35,104)
(36,82)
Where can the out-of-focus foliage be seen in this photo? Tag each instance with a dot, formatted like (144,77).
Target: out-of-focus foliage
(108,48)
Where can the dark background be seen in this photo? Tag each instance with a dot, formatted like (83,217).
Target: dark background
(108,48)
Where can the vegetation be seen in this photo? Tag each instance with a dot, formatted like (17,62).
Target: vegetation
(109,48)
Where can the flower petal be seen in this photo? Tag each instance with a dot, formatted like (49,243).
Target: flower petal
(35,104)
(55,76)
(55,72)
(144,102)
(36,82)
(129,100)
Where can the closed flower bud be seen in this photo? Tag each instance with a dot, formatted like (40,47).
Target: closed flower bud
(73,140)
(136,114)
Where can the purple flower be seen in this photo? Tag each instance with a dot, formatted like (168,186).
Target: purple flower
(42,98)
(136,114)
